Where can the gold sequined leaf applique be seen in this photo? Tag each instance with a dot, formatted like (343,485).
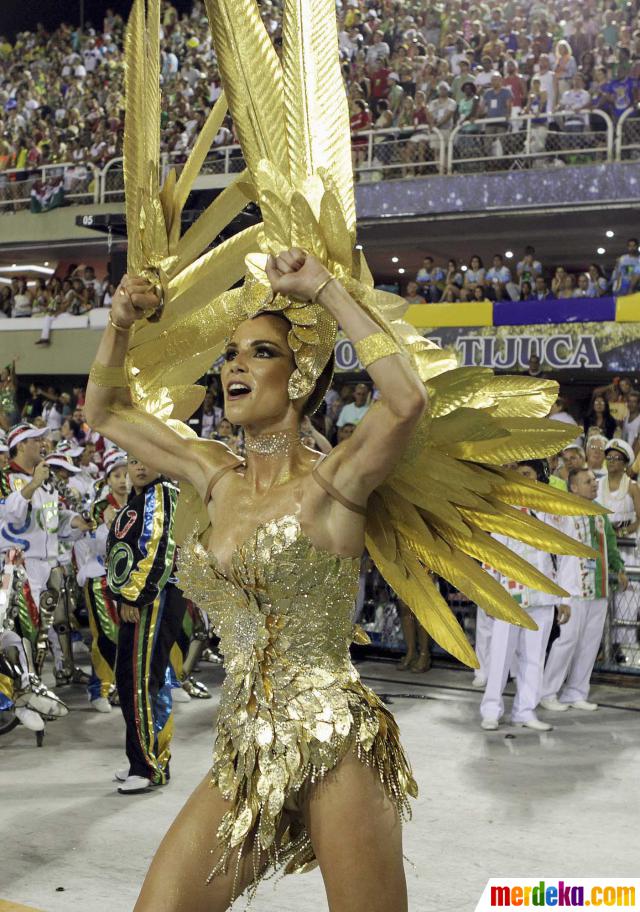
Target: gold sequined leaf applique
(241,826)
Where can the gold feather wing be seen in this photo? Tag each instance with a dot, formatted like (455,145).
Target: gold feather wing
(162,361)
(449,492)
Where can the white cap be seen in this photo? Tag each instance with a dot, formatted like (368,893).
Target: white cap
(621,446)
(58,461)
(24,431)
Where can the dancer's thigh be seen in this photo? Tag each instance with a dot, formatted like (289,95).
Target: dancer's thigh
(356,834)
(176,880)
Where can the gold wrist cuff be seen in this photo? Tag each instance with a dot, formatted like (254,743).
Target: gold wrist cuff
(108,377)
(373,347)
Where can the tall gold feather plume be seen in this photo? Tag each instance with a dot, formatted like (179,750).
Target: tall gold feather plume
(449,492)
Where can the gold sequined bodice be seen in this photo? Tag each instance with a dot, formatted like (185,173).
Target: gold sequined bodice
(292,703)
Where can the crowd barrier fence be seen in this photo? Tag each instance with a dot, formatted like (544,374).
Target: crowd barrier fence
(526,141)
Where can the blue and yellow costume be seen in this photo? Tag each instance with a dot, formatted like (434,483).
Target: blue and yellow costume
(140,558)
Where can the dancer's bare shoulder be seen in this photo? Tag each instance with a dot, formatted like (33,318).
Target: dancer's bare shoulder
(206,459)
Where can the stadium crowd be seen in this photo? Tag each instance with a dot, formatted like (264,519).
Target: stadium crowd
(526,281)
(79,289)
(409,66)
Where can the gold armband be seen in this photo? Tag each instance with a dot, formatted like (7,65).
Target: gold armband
(373,347)
(109,377)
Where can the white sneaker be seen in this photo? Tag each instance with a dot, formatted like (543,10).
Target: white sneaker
(479,682)
(178,695)
(134,785)
(554,705)
(122,774)
(490,725)
(30,719)
(584,705)
(535,724)
(101,705)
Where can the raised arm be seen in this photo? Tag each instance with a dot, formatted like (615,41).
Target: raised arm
(109,407)
(358,465)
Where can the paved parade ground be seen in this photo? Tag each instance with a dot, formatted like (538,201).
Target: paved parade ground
(492,804)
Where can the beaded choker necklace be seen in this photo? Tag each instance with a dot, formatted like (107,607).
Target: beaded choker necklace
(280,443)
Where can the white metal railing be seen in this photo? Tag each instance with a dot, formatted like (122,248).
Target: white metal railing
(628,135)
(81,182)
(527,139)
(397,152)
(112,181)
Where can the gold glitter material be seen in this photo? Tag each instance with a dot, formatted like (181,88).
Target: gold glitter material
(280,443)
(292,703)
(108,377)
(374,347)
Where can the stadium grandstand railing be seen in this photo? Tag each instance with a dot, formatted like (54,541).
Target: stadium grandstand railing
(378,155)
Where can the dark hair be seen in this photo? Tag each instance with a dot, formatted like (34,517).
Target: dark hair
(324,380)
(573,473)
(609,426)
(540,467)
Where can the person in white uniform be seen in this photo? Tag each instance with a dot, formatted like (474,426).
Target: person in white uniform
(621,495)
(34,522)
(482,646)
(528,646)
(573,654)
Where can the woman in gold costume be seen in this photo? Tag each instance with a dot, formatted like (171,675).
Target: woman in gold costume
(307,763)
(307,760)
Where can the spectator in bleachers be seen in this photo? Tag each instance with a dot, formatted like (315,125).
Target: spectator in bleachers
(22,299)
(631,424)
(430,279)
(536,105)
(541,290)
(617,491)
(558,412)
(565,67)
(626,274)
(412,296)
(354,412)
(598,283)
(360,122)
(497,104)
(517,86)
(616,394)
(526,291)
(498,280)
(442,111)
(583,287)
(578,101)
(568,287)
(459,81)
(557,282)
(600,417)
(416,149)
(594,449)
(452,283)
(547,81)
(528,267)
(474,278)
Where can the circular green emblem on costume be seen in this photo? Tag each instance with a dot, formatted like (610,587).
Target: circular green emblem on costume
(120,564)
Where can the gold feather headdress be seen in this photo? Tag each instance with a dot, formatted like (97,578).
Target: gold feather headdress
(449,492)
